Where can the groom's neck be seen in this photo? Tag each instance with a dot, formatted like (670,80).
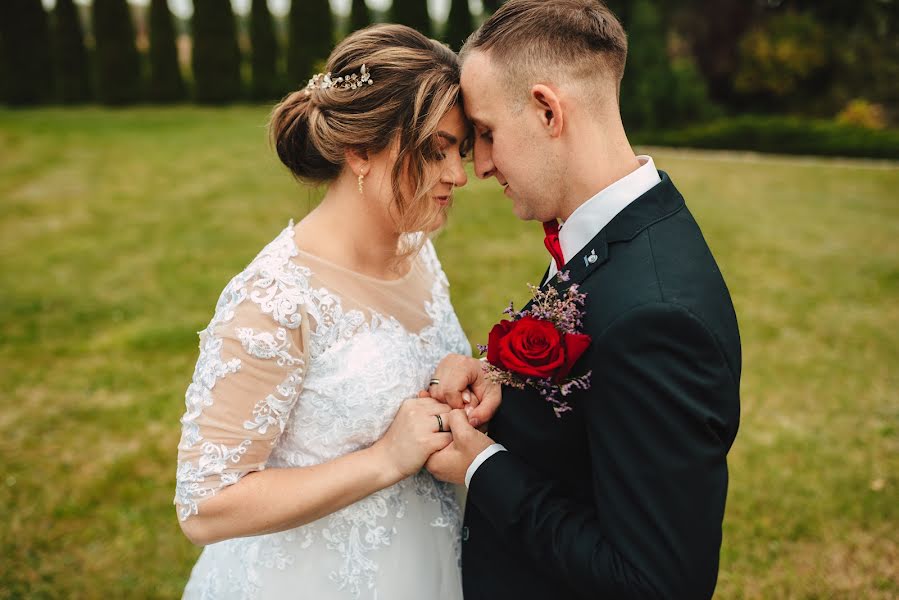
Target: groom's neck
(600,155)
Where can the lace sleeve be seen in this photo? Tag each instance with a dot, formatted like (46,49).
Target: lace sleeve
(247,380)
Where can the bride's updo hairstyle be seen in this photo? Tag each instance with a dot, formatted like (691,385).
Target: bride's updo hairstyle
(415,82)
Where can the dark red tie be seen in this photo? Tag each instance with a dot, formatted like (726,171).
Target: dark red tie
(552,242)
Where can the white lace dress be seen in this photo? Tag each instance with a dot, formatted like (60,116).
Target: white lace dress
(304,362)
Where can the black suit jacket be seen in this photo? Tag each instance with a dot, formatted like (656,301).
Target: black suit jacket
(624,496)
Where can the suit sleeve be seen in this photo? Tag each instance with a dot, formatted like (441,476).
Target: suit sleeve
(661,414)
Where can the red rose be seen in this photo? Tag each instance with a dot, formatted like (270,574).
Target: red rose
(534,348)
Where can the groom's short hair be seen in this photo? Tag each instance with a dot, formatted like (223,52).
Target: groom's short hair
(530,40)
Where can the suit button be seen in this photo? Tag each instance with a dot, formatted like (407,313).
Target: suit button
(465,534)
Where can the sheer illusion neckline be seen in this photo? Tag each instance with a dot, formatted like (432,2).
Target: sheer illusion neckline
(369,278)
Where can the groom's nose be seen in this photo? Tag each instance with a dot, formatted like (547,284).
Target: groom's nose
(483,161)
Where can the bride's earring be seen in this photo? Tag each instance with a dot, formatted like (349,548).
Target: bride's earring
(361,180)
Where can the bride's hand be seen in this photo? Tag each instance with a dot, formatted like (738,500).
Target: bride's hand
(413,436)
(456,377)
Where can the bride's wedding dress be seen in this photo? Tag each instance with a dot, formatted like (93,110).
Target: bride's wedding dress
(305,361)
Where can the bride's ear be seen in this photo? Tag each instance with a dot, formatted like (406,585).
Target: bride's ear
(357,160)
(549,108)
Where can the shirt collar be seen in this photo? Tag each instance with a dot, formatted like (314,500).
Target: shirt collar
(597,212)
(594,214)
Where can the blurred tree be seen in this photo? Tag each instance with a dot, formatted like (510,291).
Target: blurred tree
(865,62)
(70,55)
(413,13)
(491,6)
(166,82)
(712,30)
(263,53)
(25,52)
(310,39)
(216,56)
(780,58)
(458,25)
(647,77)
(360,17)
(117,61)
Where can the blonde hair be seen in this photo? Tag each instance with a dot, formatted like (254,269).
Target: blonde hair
(416,83)
(579,41)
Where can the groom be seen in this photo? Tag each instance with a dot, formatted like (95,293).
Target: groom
(623,497)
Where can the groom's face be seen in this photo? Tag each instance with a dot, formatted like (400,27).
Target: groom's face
(509,142)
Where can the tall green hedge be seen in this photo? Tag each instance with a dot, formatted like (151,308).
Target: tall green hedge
(69,55)
(360,16)
(216,56)
(459,24)
(166,82)
(25,52)
(413,13)
(311,39)
(263,53)
(778,135)
(117,62)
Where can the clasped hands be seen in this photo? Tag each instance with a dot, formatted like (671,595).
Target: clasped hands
(461,385)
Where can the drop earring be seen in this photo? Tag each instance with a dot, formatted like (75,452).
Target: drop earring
(361,180)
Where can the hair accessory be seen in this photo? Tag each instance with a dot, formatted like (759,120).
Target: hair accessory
(323,81)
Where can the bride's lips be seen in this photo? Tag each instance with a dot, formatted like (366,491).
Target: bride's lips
(442,200)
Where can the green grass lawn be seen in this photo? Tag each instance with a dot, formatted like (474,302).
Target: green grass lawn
(120,228)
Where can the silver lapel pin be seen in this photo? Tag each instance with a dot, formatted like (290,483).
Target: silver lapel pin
(589,260)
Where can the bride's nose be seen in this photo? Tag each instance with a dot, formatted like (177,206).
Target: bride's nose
(456,175)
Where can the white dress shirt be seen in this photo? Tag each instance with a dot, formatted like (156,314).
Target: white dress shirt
(581,227)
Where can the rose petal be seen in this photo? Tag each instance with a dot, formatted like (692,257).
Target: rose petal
(575,345)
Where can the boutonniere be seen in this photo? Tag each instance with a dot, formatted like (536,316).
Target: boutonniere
(538,347)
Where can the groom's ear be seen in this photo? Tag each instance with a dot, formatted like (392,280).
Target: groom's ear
(545,100)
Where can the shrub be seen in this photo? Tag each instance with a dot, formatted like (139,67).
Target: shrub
(862,113)
(780,135)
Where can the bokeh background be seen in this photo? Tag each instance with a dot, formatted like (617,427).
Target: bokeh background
(136,180)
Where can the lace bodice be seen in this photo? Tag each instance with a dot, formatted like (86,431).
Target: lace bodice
(302,362)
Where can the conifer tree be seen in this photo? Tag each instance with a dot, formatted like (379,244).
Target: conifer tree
(216,56)
(360,17)
(166,83)
(458,25)
(25,52)
(413,13)
(117,61)
(648,76)
(491,6)
(263,52)
(69,55)
(311,37)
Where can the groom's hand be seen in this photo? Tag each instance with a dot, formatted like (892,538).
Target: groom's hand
(451,463)
(457,374)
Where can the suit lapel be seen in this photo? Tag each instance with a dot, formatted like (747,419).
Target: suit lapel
(657,204)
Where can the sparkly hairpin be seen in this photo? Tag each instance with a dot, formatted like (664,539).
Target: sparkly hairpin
(323,81)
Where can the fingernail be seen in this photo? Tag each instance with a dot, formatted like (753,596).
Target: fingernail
(474,422)
(466,397)
(468,410)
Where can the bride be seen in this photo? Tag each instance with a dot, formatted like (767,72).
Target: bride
(302,446)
